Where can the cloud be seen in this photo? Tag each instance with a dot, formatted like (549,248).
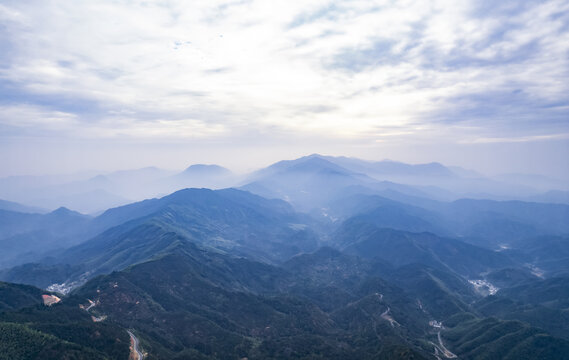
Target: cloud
(521,139)
(354,70)
(21,120)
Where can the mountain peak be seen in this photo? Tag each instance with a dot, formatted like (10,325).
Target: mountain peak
(63,211)
(206,169)
(309,163)
(102,179)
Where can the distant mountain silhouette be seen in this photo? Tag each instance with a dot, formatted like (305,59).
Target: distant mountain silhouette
(13,206)
(28,237)
(205,170)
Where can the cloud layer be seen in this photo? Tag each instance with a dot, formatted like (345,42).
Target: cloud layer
(366,72)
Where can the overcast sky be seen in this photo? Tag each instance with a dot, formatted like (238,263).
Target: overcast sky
(126,84)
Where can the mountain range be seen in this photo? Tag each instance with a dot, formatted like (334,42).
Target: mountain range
(92,192)
(313,258)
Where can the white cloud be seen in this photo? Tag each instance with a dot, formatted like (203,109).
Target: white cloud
(35,118)
(176,69)
(521,139)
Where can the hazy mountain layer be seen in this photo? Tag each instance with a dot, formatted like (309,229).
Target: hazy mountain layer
(372,269)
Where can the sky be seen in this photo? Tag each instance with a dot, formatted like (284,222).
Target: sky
(125,84)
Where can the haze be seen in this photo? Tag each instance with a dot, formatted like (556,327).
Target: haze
(113,85)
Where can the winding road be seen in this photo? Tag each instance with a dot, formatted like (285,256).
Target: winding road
(441,347)
(135,352)
(385,315)
(446,352)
